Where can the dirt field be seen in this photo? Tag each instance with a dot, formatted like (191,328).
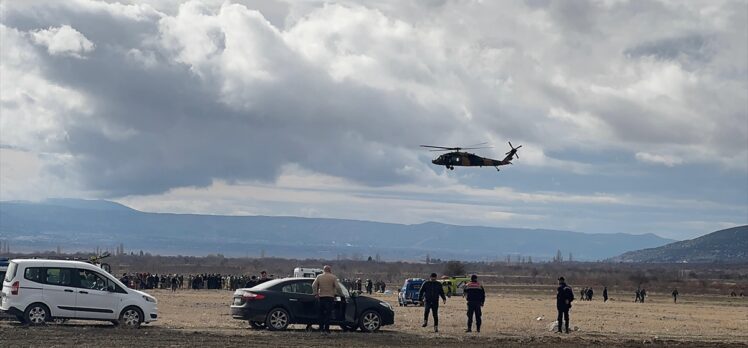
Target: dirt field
(201,319)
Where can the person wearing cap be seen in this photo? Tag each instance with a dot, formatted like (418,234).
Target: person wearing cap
(429,294)
(564,297)
(476,297)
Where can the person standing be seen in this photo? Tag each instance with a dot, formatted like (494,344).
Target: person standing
(263,277)
(564,297)
(174,283)
(675,296)
(429,294)
(251,282)
(476,297)
(325,287)
(605,294)
(369,286)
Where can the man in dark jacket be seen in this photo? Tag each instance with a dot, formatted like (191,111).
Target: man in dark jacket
(429,294)
(605,294)
(564,297)
(251,282)
(476,297)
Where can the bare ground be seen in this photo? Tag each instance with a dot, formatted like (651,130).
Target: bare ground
(201,319)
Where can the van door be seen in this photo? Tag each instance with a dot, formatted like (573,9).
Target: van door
(96,298)
(57,289)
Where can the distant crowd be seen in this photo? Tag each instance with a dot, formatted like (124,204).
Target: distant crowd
(367,285)
(145,281)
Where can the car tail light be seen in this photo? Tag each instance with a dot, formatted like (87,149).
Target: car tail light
(14,288)
(251,296)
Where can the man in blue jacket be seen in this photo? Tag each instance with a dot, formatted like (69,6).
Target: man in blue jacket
(564,297)
(476,297)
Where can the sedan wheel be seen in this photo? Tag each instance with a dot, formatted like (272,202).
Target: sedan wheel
(37,314)
(277,319)
(370,321)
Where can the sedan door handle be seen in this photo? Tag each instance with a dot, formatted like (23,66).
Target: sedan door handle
(82,292)
(68,290)
(293,299)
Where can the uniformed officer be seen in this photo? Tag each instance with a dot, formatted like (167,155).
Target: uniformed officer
(476,297)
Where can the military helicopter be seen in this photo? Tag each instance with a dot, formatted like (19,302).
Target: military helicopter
(465,159)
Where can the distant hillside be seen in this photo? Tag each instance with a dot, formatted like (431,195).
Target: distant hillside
(84,225)
(730,245)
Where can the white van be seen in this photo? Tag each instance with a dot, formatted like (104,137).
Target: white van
(37,291)
(305,272)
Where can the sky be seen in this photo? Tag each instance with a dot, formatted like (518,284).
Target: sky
(633,115)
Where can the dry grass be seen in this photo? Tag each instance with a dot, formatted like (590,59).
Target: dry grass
(509,320)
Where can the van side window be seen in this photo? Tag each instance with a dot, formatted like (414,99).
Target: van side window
(59,276)
(92,280)
(33,274)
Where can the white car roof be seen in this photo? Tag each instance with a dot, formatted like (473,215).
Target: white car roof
(54,263)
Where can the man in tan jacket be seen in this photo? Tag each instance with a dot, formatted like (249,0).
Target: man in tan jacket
(325,288)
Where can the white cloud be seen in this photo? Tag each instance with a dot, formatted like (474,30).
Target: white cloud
(666,160)
(63,40)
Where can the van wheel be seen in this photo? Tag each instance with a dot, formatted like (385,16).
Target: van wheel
(278,319)
(131,317)
(36,314)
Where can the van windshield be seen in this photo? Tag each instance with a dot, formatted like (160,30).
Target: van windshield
(12,267)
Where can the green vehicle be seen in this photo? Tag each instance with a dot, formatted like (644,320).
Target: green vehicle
(453,286)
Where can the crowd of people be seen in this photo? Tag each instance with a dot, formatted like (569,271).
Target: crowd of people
(367,285)
(216,281)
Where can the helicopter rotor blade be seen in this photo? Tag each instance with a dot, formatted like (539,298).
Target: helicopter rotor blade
(441,147)
(479,144)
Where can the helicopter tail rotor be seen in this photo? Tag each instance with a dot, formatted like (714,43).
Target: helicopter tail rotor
(513,151)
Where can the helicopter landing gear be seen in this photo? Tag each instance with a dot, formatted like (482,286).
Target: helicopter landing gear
(450,167)
(497,168)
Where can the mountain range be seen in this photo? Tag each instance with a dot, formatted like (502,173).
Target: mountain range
(728,245)
(76,225)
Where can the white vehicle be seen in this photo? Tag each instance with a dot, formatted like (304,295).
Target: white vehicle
(301,272)
(37,291)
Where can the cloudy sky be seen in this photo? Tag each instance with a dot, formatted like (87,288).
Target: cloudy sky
(633,115)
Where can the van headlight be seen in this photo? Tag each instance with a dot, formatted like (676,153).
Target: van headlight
(150,299)
(386,304)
